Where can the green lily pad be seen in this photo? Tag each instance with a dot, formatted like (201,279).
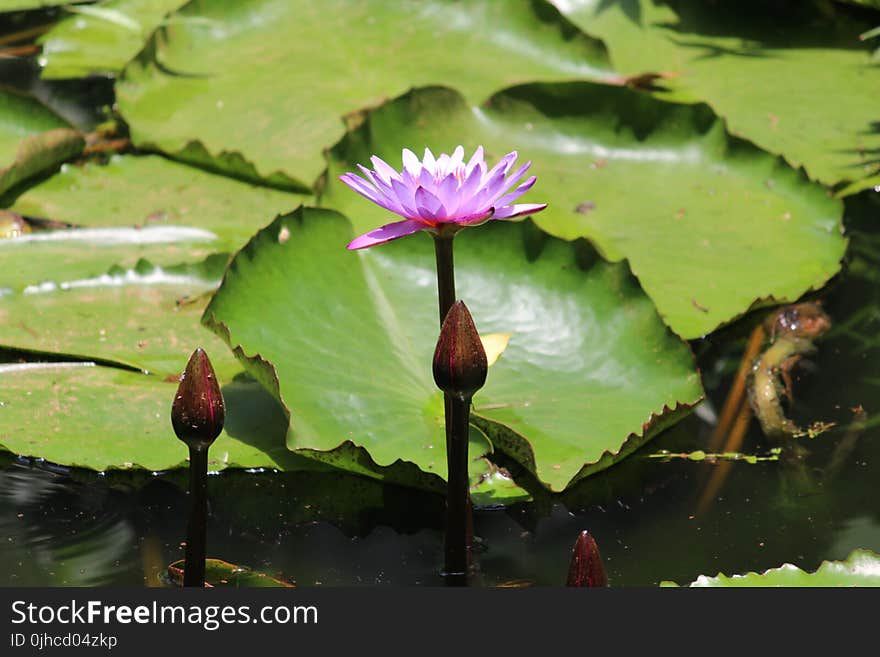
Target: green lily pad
(26,5)
(147,318)
(861,568)
(225,574)
(347,345)
(799,84)
(253,89)
(872,183)
(145,207)
(105,419)
(33,140)
(144,318)
(710,224)
(101,39)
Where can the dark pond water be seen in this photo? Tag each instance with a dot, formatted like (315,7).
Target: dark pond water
(646,514)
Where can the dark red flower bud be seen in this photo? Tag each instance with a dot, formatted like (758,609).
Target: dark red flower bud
(586,567)
(460,364)
(197,412)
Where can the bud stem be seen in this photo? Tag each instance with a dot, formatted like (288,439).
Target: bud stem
(197,528)
(457,545)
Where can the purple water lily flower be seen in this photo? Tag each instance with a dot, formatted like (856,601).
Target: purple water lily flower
(442,193)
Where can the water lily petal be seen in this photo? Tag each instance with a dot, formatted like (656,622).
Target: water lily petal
(386,234)
(507,199)
(365,189)
(428,205)
(502,167)
(476,159)
(385,170)
(484,196)
(470,186)
(376,180)
(509,182)
(476,219)
(426,179)
(520,210)
(411,163)
(406,197)
(361,186)
(428,162)
(441,189)
(447,192)
(387,191)
(373,178)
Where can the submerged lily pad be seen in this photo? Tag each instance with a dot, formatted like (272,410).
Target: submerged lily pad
(345,341)
(251,87)
(710,224)
(225,574)
(101,39)
(142,207)
(33,140)
(800,84)
(861,568)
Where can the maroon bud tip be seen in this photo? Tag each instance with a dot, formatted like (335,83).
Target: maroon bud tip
(197,412)
(460,364)
(586,567)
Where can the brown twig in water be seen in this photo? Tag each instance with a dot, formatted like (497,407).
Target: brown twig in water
(19,51)
(722,470)
(24,35)
(737,394)
(107,146)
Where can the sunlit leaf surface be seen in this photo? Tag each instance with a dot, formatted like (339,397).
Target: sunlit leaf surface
(709,224)
(252,87)
(101,39)
(794,80)
(145,317)
(588,367)
(33,140)
(134,207)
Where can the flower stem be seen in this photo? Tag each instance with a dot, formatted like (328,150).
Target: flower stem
(445,273)
(196,530)
(459,513)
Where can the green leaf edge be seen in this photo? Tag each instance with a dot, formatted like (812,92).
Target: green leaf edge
(720,580)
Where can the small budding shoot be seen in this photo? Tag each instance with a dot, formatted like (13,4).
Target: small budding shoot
(586,568)
(197,415)
(198,412)
(460,369)
(460,364)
